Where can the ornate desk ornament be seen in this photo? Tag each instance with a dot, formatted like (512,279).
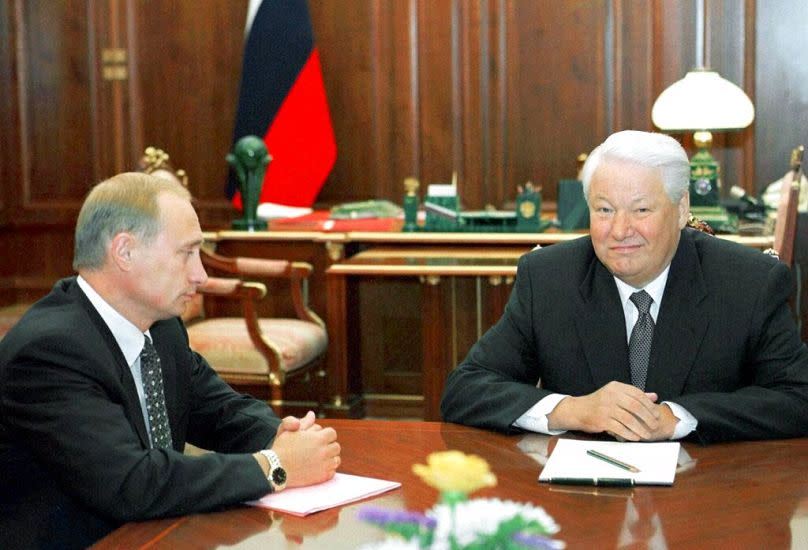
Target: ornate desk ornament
(528,208)
(249,159)
(411,204)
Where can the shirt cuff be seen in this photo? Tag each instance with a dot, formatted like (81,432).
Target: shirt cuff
(535,419)
(687,422)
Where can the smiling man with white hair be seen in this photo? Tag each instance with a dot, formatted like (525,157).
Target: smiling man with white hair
(645,329)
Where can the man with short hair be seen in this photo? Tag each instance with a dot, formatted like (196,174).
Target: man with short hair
(99,391)
(644,330)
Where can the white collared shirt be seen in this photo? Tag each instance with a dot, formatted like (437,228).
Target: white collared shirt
(128,337)
(535,419)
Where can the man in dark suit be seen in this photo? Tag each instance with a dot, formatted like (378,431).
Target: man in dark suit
(83,445)
(710,351)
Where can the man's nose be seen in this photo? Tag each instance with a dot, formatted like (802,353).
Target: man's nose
(198,274)
(622,225)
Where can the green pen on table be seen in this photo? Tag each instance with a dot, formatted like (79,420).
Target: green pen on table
(613,461)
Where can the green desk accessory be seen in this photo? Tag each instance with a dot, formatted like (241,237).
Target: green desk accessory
(249,159)
(360,210)
(573,212)
(705,187)
(411,204)
(528,208)
(442,207)
(704,173)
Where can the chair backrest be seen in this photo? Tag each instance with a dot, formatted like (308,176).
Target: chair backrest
(785,225)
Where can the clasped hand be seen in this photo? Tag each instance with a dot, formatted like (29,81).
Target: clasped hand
(621,410)
(309,453)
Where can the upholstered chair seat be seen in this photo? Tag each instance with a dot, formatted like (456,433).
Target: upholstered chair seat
(227,346)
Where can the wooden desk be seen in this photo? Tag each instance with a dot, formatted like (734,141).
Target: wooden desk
(739,495)
(437,269)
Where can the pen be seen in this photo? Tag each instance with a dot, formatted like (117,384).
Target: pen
(613,461)
(597,481)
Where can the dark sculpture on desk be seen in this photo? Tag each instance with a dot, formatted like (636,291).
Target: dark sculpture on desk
(249,159)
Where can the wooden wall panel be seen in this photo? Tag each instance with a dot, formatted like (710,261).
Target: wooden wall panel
(503,91)
(187,64)
(559,91)
(632,76)
(56,106)
(344,39)
(9,118)
(782,87)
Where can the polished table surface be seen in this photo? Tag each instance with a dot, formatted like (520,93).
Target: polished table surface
(737,495)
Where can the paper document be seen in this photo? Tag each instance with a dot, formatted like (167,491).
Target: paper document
(570,461)
(339,490)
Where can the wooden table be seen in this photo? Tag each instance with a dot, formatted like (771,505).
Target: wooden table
(739,495)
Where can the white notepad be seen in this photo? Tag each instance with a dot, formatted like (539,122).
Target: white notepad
(339,490)
(569,460)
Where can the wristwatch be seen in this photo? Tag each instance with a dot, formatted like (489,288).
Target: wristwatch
(277,475)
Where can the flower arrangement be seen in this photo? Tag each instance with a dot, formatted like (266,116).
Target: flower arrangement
(459,523)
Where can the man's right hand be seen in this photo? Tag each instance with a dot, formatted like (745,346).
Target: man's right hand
(309,455)
(622,410)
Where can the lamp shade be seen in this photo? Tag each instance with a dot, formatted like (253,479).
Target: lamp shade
(702,100)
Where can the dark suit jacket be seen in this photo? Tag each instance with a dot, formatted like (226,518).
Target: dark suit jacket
(725,347)
(74,453)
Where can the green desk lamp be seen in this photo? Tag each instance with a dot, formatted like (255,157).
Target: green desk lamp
(703,102)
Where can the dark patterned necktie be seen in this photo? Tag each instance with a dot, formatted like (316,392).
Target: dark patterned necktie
(642,335)
(152,375)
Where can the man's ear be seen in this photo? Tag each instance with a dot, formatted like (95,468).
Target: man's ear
(684,209)
(120,250)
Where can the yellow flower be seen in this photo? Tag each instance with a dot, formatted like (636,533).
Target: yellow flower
(454,471)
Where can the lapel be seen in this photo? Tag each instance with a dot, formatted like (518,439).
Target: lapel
(110,354)
(681,324)
(601,326)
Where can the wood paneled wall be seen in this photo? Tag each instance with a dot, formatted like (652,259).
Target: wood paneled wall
(502,91)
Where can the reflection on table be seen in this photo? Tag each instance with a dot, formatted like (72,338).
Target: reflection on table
(740,495)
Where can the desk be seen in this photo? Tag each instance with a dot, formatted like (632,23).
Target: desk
(739,495)
(492,271)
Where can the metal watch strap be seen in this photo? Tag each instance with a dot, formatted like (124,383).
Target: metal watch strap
(277,474)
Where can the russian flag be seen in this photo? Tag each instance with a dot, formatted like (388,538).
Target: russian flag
(282,98)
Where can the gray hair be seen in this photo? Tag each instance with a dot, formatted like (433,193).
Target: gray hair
(123,203)
(648,149)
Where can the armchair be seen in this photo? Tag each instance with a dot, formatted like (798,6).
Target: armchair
(785,225)
(262,356)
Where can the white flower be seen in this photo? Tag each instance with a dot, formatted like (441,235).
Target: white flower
(482,516)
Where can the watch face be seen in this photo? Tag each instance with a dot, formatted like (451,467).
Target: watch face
(279,476)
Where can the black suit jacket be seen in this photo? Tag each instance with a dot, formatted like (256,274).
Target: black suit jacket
(725,347)
(74,452)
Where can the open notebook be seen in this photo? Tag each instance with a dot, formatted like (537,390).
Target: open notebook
(570,462)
